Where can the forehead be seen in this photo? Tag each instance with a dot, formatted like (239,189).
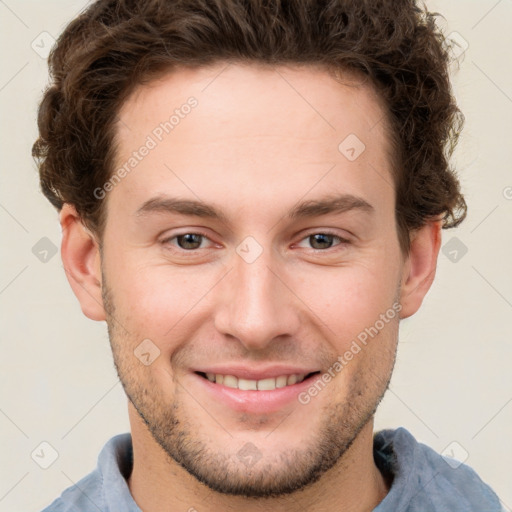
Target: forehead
(282,128)
(236,92)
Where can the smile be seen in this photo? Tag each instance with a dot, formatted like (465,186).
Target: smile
(267,384)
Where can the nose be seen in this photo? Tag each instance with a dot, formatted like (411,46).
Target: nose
(258,304)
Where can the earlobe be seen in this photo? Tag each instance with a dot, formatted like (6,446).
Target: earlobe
(82,264)
(420,267)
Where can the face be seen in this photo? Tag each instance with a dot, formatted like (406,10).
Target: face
(246,246)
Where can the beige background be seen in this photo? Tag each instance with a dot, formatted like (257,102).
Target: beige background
(452,380)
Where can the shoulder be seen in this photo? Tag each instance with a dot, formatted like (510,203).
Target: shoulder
(425,480)
(83,495)
(104,486)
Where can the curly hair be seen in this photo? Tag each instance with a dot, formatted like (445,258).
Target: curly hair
(116,45)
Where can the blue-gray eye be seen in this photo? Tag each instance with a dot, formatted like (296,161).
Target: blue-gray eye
(321,240)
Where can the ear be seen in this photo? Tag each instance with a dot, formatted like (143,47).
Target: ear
(82,264)
(420,267)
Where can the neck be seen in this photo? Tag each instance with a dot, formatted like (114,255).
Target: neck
(158,484)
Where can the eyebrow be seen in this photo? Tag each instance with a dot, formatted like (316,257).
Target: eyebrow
(337,204)
(166,204)
(323,206)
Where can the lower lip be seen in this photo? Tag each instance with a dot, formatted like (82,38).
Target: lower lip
(255,401)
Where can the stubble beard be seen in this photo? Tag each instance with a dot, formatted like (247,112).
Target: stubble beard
(273,476)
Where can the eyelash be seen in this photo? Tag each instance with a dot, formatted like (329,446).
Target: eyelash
(342,241)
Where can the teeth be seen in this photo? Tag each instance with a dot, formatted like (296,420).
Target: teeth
(229,381)
(292,379)
(246,384)
(266,384)
(281,381)
(262,385)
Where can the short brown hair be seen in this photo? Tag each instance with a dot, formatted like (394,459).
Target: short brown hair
(115,45)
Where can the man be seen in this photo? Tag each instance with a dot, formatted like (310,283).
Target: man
(251,196)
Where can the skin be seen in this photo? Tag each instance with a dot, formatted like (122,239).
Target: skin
(259,141)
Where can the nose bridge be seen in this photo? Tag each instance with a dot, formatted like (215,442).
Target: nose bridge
(257,305)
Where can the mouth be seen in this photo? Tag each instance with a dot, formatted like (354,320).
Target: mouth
(265,384)
(254,390)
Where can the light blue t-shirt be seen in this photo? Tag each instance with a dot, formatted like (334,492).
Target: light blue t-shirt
(423,480)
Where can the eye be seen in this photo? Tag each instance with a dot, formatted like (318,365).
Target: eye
(317,241)
(322,241)
(187,241)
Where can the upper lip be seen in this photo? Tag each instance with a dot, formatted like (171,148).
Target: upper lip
(267,372)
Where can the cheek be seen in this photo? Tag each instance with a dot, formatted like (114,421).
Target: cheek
(154,299)
(347,300)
